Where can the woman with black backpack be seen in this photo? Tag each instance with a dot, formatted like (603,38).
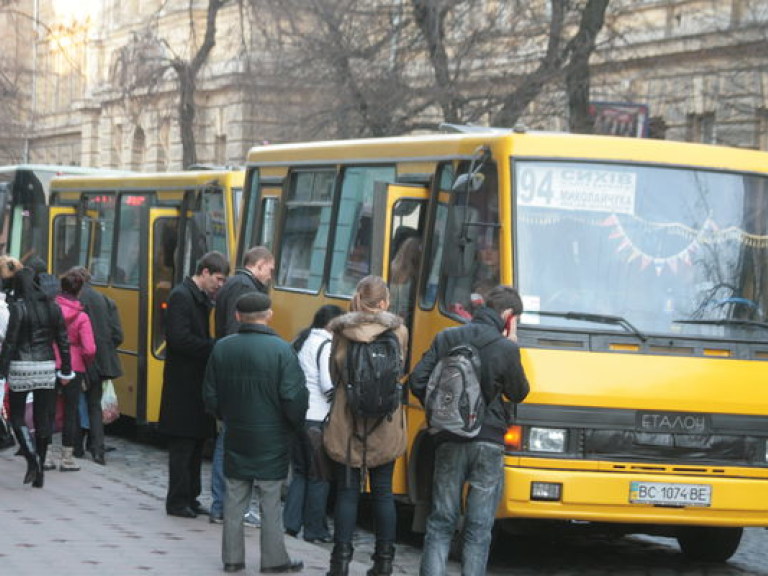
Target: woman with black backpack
(360,441)
(307,498)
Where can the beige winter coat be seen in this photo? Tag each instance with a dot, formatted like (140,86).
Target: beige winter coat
(387,441)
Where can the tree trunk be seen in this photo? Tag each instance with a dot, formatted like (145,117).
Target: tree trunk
(577,77)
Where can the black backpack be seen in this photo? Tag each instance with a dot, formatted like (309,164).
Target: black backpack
(373,376)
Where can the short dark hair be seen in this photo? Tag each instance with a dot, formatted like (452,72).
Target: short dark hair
(325,314)
(72,282)
(214,261)
(255,254)
(502,298)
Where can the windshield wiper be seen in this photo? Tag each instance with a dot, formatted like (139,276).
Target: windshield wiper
(596,318)
(725,322)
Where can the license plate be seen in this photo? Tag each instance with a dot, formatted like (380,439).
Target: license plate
(670,494)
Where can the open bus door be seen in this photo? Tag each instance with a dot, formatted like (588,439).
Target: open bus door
(402,229)
(163,231)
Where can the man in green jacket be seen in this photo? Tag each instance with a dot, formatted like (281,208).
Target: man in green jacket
(255,385)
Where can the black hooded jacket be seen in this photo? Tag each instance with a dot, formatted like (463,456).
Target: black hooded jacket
(502,373)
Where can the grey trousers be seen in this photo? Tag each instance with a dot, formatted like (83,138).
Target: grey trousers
(272,538)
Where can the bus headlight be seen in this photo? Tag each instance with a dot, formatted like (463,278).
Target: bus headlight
(547,439)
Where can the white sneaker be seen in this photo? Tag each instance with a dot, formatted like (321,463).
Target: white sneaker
(252,519)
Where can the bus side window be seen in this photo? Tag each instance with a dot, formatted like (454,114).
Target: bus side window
(269,207)
(64,243)
(305,231)
(98,228)
(354,228)
(128,241)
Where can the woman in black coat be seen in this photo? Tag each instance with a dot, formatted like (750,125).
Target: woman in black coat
(28,362)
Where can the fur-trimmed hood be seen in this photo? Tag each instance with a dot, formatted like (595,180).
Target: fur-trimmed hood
(364,326)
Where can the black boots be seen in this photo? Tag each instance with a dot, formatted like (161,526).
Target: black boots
(42,452)
(27,446)
(340,559)
(382,559)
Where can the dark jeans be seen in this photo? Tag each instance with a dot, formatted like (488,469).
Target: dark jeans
(44,402)
(71,393)
(481,466)
(185,461)
(95,418)
(305,503)
(348,496)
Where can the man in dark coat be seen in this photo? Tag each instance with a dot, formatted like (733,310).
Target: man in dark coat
(182,414)
(108,334)
(254,383)
(477,462)
(254,276)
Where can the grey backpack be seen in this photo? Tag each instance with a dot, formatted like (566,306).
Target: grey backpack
(454,401)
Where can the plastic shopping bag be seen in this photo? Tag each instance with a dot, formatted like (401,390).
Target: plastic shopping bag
(109,408)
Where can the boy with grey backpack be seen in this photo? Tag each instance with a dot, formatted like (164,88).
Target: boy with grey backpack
(467,382)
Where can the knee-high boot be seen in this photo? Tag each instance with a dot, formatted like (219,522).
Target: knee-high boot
(27,446)
(42,451)
(383,556)
(340,559)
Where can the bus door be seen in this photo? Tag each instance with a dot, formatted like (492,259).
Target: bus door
(402,230)
(162,243)
(398,256)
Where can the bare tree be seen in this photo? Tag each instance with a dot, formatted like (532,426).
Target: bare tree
(141,66)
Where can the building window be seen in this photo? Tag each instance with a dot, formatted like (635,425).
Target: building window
(761,132)
(701,128)
(137,151)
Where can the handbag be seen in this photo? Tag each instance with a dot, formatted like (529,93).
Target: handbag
(6,436)
(110,410)
(321,467)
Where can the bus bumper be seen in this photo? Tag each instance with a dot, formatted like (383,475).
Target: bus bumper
(593,496)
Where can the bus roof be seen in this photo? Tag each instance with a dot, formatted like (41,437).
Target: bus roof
(542,145)
(143,180)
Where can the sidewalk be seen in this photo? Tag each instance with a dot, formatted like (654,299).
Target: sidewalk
(111,520)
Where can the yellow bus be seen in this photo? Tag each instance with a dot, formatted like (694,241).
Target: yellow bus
(643,266)
(140,235)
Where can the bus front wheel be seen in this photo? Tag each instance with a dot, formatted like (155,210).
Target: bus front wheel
(708,544)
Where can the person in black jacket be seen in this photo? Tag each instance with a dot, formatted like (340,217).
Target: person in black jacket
(182,414)
(108,333)
(28,362)
(254,276)
(479,461)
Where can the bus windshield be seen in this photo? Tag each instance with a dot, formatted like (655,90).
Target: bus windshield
(666,250)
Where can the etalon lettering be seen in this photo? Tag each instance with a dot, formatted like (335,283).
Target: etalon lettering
(671,422)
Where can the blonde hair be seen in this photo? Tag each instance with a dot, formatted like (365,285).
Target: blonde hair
(370,292)
(9,266)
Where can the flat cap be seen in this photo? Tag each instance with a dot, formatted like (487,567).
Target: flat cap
(253,302)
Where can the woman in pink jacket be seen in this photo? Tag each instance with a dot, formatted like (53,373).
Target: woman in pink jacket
(82,348)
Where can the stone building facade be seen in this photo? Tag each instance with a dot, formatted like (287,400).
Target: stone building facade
(90,82)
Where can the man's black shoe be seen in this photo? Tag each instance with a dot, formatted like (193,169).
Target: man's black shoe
(234,567)
(292,566)
(109,448)
(185,512)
